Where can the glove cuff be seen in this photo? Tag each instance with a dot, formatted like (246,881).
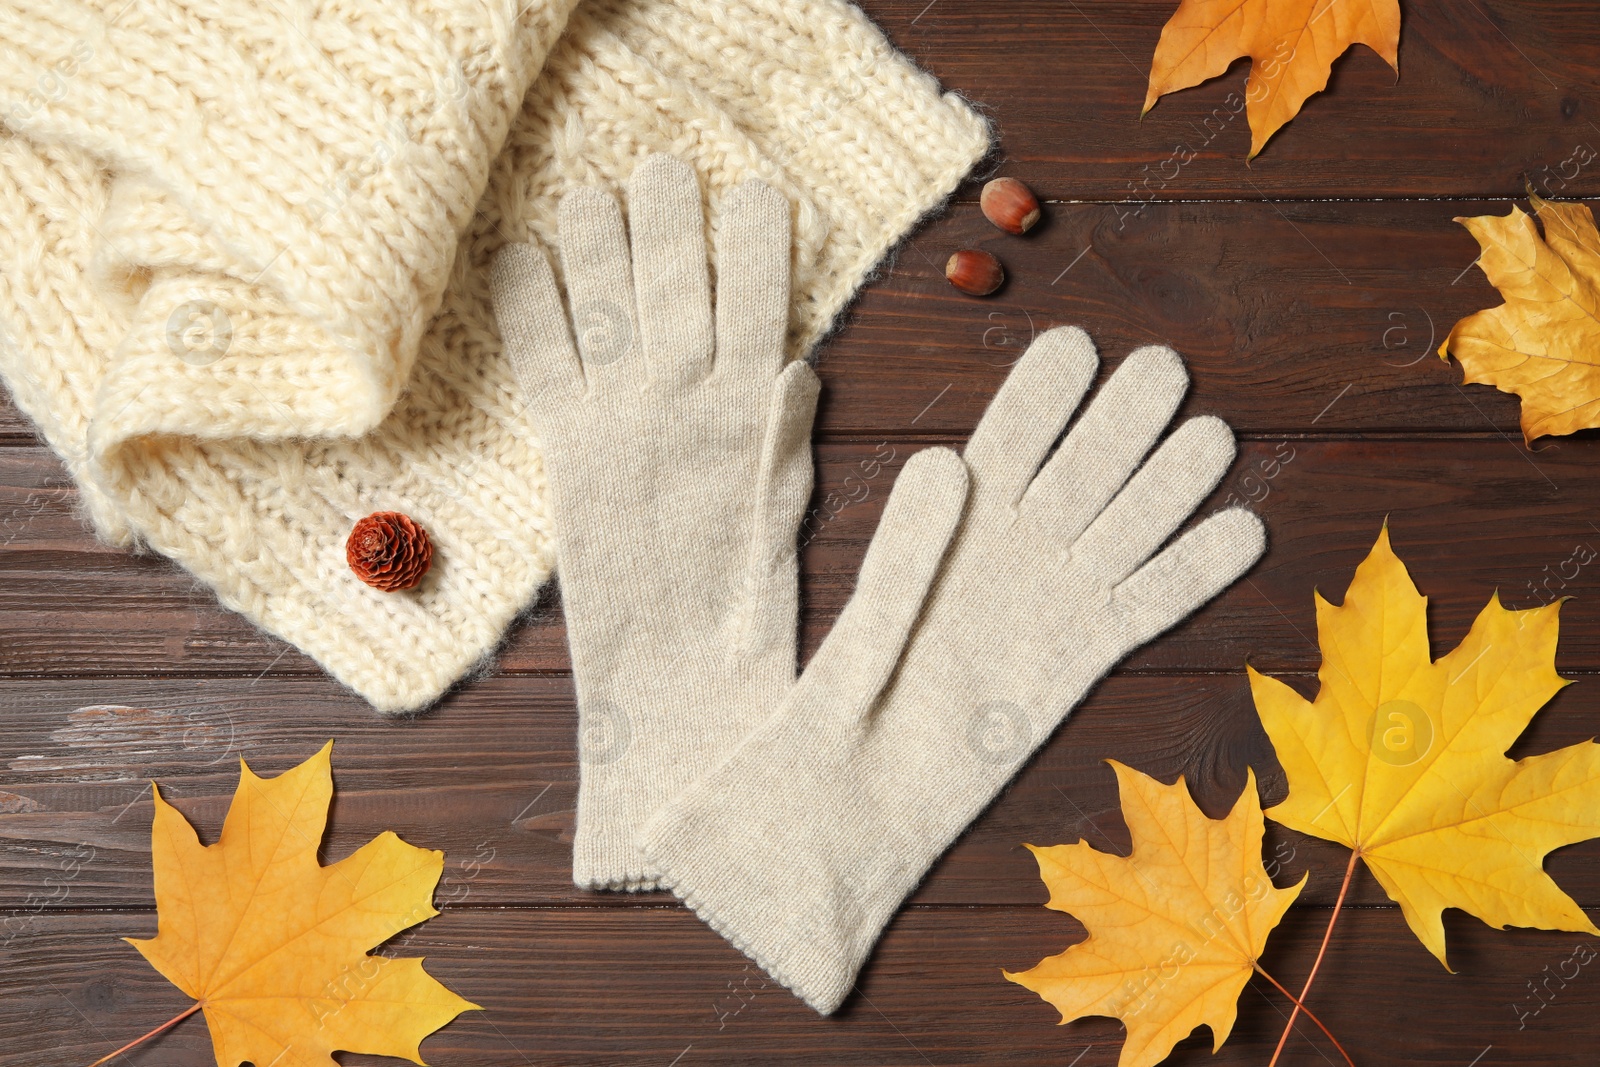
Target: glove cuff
(747,885)
(607,862)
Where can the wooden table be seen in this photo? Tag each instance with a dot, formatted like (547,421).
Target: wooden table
(1307,290)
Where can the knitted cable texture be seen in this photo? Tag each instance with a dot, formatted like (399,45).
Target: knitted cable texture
(244,251)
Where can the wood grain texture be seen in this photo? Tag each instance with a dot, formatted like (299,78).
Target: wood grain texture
(1469,514)
(1292,316)
(490,777)
(1307,292)
(1489,92)
(1279,309)
(574,987)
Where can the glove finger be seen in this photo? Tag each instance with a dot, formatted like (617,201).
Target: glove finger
(753,279)
(1027,414)
(783,488)
(1190,572)
(533,324)
(1123,422)
(918,523)
(670,274)
(1158,499)
(594,256)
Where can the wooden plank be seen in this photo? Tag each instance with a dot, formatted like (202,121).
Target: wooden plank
(491,778)
(1301,316)
(1487,93)
(1469,514)
(641,986)
(1320,314)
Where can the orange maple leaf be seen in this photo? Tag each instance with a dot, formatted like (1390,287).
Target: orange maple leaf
(1543,343)
(1292,45)
(1175,928)
(1401,757)
(274,946)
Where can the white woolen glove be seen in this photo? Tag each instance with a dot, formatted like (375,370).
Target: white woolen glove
(994,595)
(677,449)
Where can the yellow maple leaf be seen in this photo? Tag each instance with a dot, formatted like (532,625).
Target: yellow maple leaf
(1543,343)
(1402,758)
(1292,45)
(274,945)
(1175,927)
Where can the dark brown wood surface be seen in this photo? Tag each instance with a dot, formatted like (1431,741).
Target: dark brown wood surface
(1308,291)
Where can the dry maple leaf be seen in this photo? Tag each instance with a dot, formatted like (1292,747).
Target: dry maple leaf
(274,945)
(1543,343)
(1292,45)
(1174,928)
(1402,758)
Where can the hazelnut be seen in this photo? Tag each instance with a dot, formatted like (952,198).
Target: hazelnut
(1010,205)
(974,272)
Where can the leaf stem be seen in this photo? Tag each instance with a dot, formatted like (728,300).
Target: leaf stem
(1301,1007)
(1338,905)
(174,1021)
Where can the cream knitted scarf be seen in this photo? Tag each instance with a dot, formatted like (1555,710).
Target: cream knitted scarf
(243,252)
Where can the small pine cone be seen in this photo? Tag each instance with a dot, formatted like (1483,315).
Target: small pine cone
(388,551)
